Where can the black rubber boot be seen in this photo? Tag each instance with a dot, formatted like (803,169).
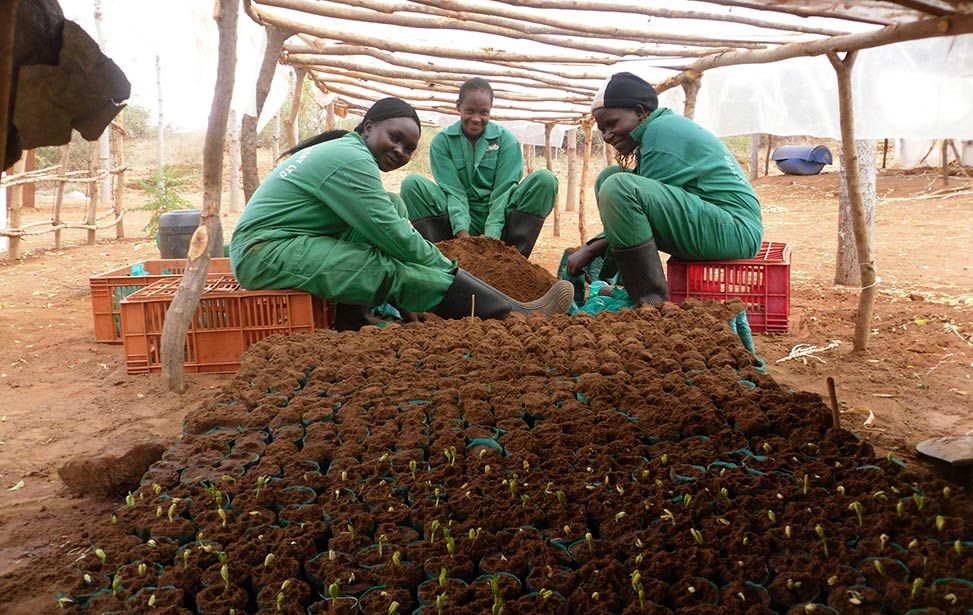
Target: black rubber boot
(643,277)
(521,231)
(434,228)
(352,317)
(470,296)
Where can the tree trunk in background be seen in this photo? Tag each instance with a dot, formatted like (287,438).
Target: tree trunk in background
(846,270)
(849,163)
(291,122)
(104,195)
(572,146)
(248,129)
(233,164)
(160,133)
(202,245)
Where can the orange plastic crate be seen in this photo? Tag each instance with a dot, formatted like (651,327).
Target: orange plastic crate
(763,283)
(227,321)
(109,289)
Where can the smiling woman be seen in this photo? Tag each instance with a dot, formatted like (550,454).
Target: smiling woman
(323,222)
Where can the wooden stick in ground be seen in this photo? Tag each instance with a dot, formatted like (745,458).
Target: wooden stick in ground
(585,165)
(548,128)
(94,153)
(203,243)
(118,144)
(59,195)
(833,394)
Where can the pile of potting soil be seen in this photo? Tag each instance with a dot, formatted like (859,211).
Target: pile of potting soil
(499,265)
(633,462)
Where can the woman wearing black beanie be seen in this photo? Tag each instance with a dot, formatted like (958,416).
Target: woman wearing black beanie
(677,188)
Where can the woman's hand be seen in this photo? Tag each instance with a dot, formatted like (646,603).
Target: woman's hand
(462,234)
(582,257)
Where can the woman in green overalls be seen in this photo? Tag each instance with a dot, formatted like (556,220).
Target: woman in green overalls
(477,165)
(323,222)
(677,188)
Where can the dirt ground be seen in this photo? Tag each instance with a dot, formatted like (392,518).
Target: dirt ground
(62,394)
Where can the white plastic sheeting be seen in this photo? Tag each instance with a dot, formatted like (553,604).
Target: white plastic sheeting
(915,90)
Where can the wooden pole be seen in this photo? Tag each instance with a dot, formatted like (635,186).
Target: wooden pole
(770,146)
(247,129)
(59,195)
(833,395)
(849,159)
(944,161)
(94,153)
(118,144)
(203,243)
(291,123)
(585,166)
(329,121)
(885,152)
(570,202)
(8,14)
(548,128)
(14,207)
(609,154)
(754,155)
(234,160)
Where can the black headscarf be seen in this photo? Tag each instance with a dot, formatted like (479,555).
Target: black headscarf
(627,91)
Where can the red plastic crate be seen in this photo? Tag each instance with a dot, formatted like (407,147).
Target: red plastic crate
(763,283)
(109,289)
(227,321)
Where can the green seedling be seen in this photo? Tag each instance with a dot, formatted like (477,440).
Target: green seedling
(912,544)
(858,508)
(222,515)
(130,499)
(946,491)
(590,541)
(620,515)
(722,521)
(805,484)
(412,468)
(772,516)
(486,469)
(787,531)
(442,578)
(916,584)
(900,509)
(223,557)
(524,500)
(142,569)
(725,493)
(512,484)
(158,511)
(450,454)
(100,554)
(880,496)
(451,546)
(116,583)
(824,542)
(526,466)
(474,533)
(951,598)
(382,539)
(393,608)
(668,516)
(261,483)
(87,579)
(879,568)
(697,535)
(63,601)
(840,489)
(664,458)
(559,494)
(432,530)
(397,558)
(226,478)
(225,574)
(792,584)
(958,547)
(546,593)
(919,500)
(334,589)
(940,523)
(686,499)
(172,509)
(185,558)
(269,559)
(441,602)
(114,519)
(156,488)
(438,495)
(152,601)
(495,590)
(882,541)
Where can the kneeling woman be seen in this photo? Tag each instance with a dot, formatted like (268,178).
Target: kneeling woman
(322,222)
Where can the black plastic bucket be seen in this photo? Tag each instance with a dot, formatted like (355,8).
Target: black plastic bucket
(176,228)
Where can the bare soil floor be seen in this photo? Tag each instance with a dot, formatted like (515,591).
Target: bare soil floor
(62,394)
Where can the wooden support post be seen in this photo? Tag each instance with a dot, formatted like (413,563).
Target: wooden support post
(94,153)
(118,146)
(885,152)
(944,161)
(291,126)
(770,146)
(609,154)
(59,195)
(754,155)
(585,166)
(548,128)
(203,243)
(528,159)
(849,159)
(234,161)
(571,146)
(8,14)
(15,203)
(30,188)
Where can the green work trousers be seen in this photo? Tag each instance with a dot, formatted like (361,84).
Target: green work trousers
(635,209)
(535,194)
(344,269)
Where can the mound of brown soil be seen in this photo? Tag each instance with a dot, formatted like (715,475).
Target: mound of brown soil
(499,265)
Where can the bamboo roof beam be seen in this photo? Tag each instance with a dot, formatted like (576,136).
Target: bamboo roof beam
(500,94)
(927,28)
(635,7)
(445,71)
(534,23)
(560,40)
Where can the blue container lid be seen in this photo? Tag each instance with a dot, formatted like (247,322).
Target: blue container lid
(810,153)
